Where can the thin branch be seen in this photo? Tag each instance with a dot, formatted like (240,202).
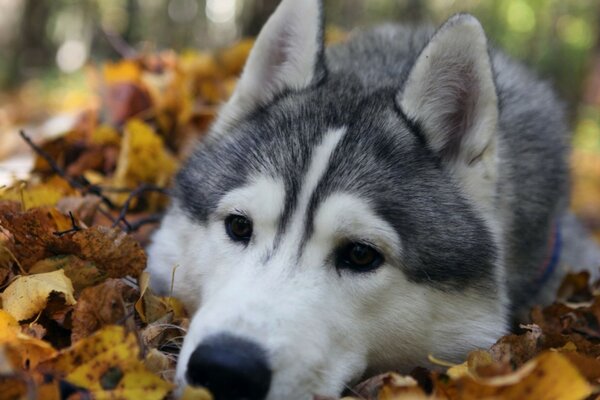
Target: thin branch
(55,167)
(136,193)
(74,227)
(83,184)
(151,219)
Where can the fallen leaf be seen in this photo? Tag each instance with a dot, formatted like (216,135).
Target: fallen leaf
(196,393)
(575,288)
(549,376)
(107,364)
(100,305)
(112,251)
(143,157)
(18,349)
(38,195)
(28,295)
(398,387)
(475,360)
(33,231)
(515,349)
(82,273)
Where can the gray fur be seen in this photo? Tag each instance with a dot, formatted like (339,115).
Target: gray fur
(384,158)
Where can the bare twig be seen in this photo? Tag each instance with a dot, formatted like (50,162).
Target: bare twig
(151,219)
(136,193)
(74,227)
(82,184)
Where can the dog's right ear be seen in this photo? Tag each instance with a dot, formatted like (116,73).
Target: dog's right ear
(287,55)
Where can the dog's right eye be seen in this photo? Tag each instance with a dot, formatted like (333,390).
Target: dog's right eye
(239,228)
(359,257)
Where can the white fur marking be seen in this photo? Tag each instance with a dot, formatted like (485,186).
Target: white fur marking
(318,166)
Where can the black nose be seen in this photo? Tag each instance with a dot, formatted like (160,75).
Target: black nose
(232,368)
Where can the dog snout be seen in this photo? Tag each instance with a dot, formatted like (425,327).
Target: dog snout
(232,368)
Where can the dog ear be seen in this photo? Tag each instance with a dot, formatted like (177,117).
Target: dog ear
(450,92)
(287,55)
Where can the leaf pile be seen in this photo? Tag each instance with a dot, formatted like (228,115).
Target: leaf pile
(557,356)
(78,318)
(77,315)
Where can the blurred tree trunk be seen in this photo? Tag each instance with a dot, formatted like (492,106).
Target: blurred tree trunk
(591,83)
(32,50)
(255,14)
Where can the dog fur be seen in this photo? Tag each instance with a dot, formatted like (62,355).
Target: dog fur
(440,151)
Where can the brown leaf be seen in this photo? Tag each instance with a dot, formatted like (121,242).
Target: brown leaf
(104,304)
(33,232)
(575,288)
(113,251)
(516,350)
(83,208)
(82,273)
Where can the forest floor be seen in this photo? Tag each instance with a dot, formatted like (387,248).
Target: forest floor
(78,317)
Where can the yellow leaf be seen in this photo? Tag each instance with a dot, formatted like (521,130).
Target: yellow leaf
(38,195)
(18,349)
(122,71)
(398,387)
(28,295)
(548,376)
(105,134)
(196,393)
(108,364)
(86,349)
(475,359)
(8,326)
(137,384)
(143,157)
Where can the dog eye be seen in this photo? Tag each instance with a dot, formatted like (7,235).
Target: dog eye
(239,228)
(358,257)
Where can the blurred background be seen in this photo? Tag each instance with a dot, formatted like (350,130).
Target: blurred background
(48,48)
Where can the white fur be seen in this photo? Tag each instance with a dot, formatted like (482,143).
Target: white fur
(283,57)
(321,327)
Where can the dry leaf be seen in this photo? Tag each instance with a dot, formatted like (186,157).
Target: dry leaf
(19,349)
(547,377)
(196,393)
(113,251)
(397,387)
(107,364)
(28,295)
(33,231)
(143,157)
(100,305)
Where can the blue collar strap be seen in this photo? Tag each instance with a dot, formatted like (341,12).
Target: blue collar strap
(551,261)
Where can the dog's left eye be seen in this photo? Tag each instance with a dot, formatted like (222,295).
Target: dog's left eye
(239,228)
(358,257)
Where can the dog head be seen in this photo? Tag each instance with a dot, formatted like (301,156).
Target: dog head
(330,226)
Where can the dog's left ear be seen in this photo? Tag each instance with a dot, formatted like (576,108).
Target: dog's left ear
(451,94)
(287,55)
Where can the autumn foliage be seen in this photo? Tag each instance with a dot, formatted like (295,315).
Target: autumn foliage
(78,317)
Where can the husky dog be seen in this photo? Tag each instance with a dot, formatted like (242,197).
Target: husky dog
(359,207)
